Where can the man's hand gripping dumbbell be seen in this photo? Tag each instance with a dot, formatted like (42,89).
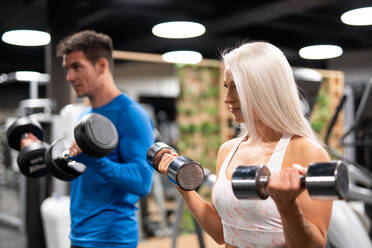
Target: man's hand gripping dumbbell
(323,180)
(94,135)
(25,135)
(181,170)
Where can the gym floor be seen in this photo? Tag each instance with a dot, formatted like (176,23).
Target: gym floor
(184,241)
(10,237)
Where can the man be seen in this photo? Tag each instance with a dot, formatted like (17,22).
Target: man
(103,198)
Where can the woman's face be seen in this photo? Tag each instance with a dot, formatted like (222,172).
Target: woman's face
(232,98)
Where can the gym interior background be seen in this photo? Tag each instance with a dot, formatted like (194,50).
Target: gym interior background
(184,101)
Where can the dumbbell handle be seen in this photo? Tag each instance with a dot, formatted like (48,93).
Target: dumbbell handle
(264,180)
(71,163)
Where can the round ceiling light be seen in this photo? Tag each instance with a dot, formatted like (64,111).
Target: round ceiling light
(182,57)
(358,17)
(26,37)
(178,30)
(320,52)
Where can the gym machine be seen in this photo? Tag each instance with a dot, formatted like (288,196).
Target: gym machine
(357,142)
(35,117)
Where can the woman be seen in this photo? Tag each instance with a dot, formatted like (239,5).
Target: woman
(263,97)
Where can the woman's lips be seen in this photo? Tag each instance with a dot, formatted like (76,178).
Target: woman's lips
(234,109)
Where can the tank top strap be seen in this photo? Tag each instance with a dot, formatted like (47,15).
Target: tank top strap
(276,159)
(230,155)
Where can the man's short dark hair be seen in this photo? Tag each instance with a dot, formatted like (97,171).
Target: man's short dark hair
(94,45)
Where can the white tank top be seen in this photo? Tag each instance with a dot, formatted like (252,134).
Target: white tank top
(250,223)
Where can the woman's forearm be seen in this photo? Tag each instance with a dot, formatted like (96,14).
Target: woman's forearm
(205,214)
(298,231)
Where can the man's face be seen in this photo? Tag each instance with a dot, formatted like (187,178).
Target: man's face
(80,73)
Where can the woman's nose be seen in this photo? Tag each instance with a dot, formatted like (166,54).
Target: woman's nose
(230,97)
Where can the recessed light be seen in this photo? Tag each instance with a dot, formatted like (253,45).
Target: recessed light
(320,52)
(358,17)
(24,37)
(182,57)
(31,76)
(178,30)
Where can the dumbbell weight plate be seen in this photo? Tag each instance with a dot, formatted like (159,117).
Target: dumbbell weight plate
(96,135)
(186,173)
(58,166)
(327,180)
(249,182)
(21,126)
(31,160)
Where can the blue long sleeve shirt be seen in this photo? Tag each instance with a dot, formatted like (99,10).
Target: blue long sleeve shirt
(103,198)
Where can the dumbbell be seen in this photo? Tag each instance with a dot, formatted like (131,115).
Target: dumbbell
(30,159)
(94,134)
(323,180)
(183,171)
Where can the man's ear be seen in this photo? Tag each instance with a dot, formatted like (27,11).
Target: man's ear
(102,65)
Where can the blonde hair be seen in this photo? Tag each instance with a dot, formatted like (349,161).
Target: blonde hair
(267,90)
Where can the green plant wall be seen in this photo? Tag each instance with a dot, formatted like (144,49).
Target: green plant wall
(199,122)
(198,114)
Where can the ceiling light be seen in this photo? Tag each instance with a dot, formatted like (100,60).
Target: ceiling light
(31,76)
(358,17)
(178,30)
(320,52)
(182,57)
(26,38)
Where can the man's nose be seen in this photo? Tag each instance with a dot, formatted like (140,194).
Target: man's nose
(69,76)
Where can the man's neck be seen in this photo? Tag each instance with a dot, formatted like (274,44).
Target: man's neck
(105,94)
(103,98)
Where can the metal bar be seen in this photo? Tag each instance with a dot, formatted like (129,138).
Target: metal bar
(179,210)
(11,221)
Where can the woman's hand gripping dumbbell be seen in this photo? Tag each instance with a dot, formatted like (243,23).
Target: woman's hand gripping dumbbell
(25,135)
(94,135)
(181,170)
(324,180)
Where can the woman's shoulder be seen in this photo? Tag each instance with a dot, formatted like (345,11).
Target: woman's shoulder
(304,150)
(224,150)
(228,145)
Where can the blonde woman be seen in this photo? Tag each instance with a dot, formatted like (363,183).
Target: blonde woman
(262,96)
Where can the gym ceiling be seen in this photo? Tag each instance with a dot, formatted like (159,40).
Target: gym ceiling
(289,24)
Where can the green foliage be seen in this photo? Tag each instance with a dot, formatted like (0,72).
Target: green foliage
(322,112)
(186,111)
(187,223)
(188,128)
(200,126)
(208,128)
(211,110)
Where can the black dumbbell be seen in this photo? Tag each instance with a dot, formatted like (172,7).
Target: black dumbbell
(324,180)
(95,135)
(31,158)
(183,171)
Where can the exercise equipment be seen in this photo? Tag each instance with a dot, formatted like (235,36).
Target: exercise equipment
(94,134)
(324,180)
(30,159)
(183,171)
(345,229)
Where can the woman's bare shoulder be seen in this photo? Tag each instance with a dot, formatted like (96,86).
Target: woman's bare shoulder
(305,151)
(228,145)
(224,150)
